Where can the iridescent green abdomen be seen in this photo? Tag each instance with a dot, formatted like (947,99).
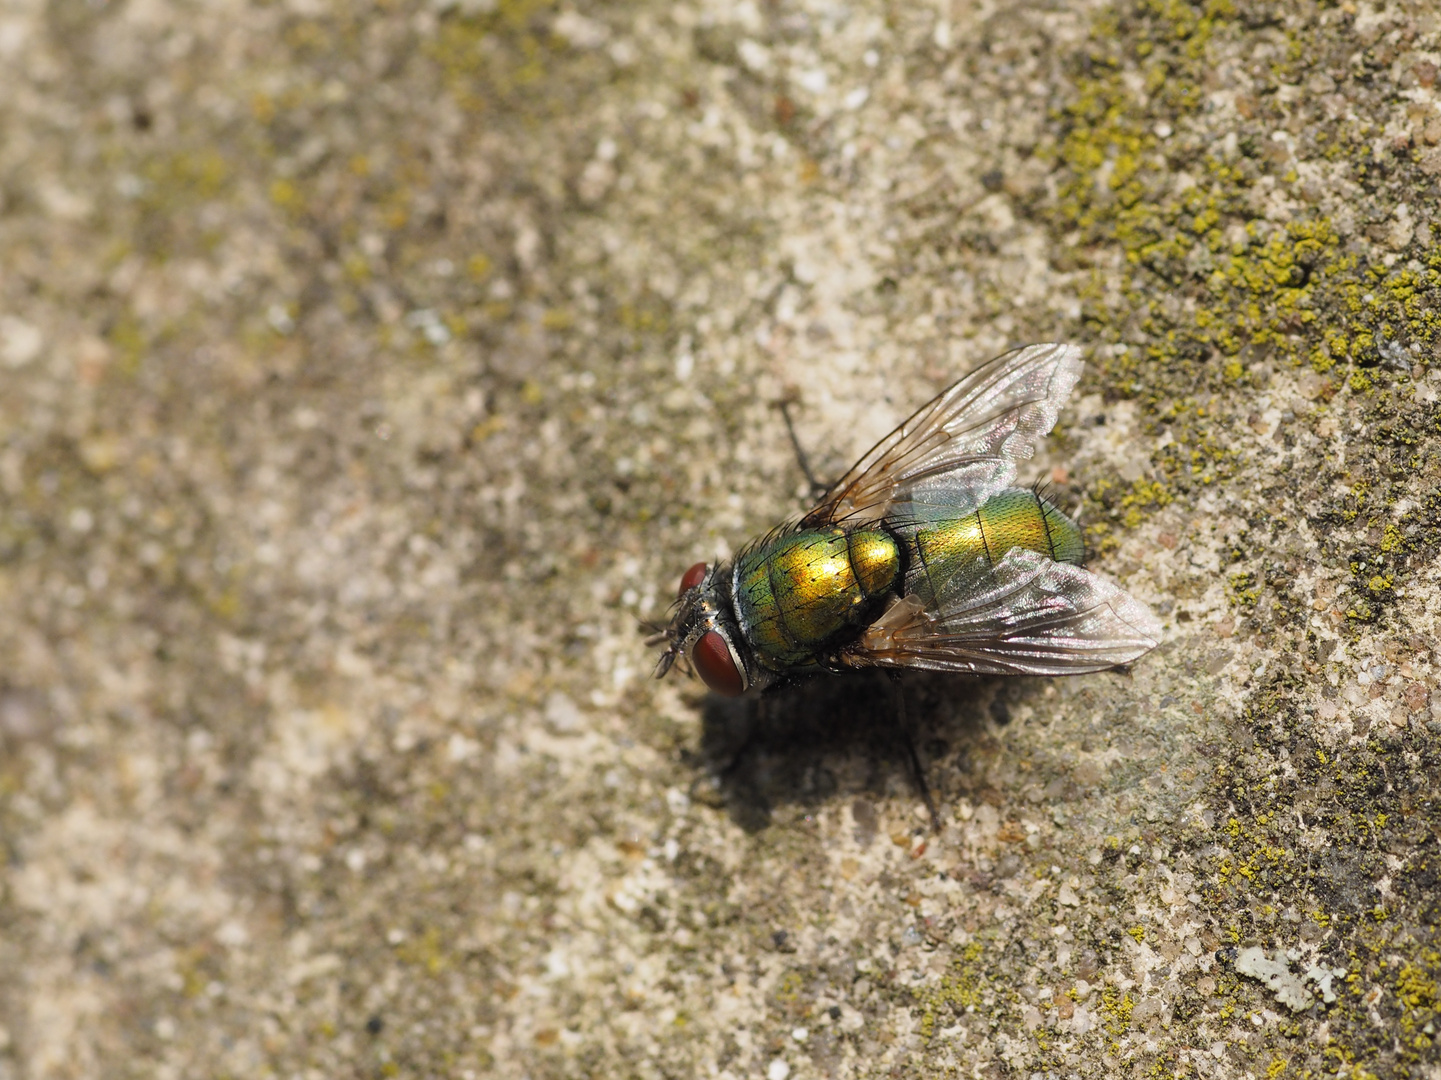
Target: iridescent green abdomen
(797,596)
(943,547)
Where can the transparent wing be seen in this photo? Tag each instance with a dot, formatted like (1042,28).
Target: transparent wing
(1028,616)
(974,432)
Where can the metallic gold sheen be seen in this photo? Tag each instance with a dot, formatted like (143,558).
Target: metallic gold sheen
(875,561)
(796,595)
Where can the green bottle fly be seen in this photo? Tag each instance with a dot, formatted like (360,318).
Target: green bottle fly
(798,596)
(924,555)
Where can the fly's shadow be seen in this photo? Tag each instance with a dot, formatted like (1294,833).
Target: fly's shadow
(834,738)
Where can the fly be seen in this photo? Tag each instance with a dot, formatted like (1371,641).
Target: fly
(924,555)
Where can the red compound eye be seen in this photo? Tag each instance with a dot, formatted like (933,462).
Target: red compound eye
(713,663)
(691,578)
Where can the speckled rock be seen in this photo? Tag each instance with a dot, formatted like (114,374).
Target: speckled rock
(372,371)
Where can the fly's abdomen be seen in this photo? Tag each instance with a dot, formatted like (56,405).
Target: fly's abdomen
(1014,518)
(1021,518)
(798,595)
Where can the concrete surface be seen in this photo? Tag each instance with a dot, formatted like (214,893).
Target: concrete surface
(371,372)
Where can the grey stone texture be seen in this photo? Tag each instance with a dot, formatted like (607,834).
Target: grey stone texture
(371,371)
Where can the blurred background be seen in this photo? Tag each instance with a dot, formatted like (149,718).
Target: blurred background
(370,373)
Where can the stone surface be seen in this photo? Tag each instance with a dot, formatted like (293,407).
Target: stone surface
(371,371)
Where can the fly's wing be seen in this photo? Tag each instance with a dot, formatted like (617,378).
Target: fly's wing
(973,433)
(1026,615)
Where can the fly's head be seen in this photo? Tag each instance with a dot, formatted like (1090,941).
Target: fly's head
(705,633)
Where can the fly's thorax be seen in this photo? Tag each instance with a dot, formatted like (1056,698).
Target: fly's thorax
(800,594)
(1016,518)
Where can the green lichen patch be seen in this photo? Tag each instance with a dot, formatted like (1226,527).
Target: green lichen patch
(1337,853)
(1207,281)
(968,985)
(1215,254)
(1237,232)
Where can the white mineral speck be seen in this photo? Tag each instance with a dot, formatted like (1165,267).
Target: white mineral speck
(1290,989)
(754,55)
(816,81)
(20,341)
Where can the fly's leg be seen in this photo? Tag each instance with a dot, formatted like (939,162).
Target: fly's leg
(817,487)
(918,774)
(725,760)
(754,720)
(740,772)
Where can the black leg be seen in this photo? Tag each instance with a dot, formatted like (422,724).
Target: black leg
(918,774)
(729,744)
(817,488)
(755,718)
